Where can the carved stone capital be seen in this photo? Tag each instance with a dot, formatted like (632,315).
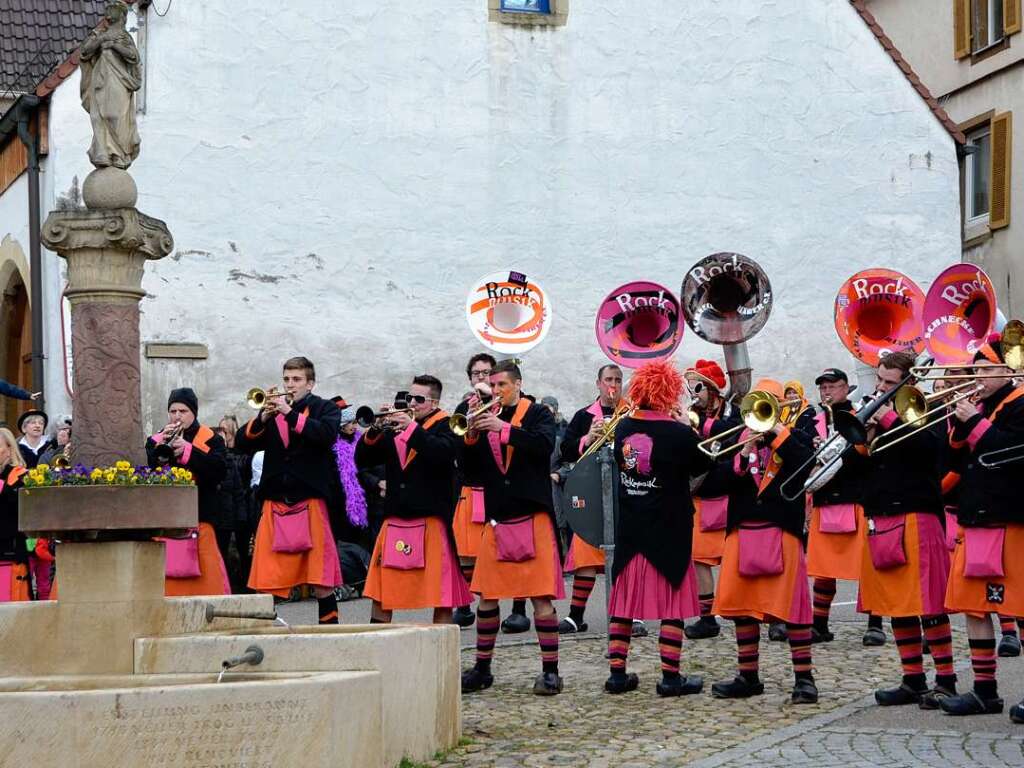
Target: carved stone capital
(106,251)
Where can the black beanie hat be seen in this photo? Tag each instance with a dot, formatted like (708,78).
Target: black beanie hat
(187,397)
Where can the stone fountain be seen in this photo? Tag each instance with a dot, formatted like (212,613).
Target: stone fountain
(113,668)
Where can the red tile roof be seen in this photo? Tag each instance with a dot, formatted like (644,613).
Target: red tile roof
(41,36)
(908,71)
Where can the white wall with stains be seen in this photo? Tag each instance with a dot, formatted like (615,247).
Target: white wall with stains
(336,175)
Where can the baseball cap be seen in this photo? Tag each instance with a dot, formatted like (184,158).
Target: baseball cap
(831,374)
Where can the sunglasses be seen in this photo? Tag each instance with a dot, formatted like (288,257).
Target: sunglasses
(420,399)
(697,387)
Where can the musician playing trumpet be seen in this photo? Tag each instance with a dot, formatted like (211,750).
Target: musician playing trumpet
(414,562)
(194,564)
(295,547)
(510,451)
(586,427)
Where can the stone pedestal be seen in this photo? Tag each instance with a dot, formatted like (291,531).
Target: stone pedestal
(106,251)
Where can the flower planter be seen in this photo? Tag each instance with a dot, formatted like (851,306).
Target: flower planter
(107,512)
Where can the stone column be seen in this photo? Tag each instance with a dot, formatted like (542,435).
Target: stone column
(106,246)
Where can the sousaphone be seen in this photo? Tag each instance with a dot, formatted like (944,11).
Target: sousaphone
(727,299)
(878,311)
(508,312)
(959,313)
(637,323)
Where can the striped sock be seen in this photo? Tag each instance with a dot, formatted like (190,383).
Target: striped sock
(748,638)
(582,586)
(907,631)
(983,664)
(940,642)
(1007,624)
(706,601)
(467,571)
(547,639)
(327,608)
(620,632)
(670,645)
(824,594)
(800,650)
(487,623)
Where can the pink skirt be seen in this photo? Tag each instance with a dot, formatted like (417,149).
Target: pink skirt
(642,592)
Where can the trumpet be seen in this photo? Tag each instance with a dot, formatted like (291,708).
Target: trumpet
(63,459)
(608,432)
(163,453)
(257,398)
(458,423)
(760,412)
(912,406)
(367,418)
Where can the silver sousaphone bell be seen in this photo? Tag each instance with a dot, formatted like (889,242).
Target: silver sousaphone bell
(727,299)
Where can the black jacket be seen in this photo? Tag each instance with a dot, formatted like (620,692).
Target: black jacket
(656,457)
(32,457)
(526,488)
(207,467)
(424,487)
(304,469)
(845,485)
(989,495)
(906,477)
(235,499)
(12,541)
(719,476)
(578,427)
(793,447)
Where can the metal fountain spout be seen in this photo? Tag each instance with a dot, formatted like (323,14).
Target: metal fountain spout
(253,655)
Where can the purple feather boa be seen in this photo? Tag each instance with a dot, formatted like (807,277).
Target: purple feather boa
(355,499)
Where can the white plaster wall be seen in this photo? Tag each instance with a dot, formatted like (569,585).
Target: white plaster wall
(336,175)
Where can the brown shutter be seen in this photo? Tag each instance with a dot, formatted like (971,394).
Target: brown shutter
(1002,143)
(1011,16)
(961,28)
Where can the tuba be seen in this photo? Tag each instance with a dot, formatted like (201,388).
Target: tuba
(878,311)
(959,313)
(508,313)
(727,299)
(638,323)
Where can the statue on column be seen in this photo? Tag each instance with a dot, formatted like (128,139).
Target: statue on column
(111,74)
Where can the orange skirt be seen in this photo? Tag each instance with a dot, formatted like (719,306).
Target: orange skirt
(467,533)
(277,572)
(835,555)
(707,545)
(18,588)
(916,588)
(495,579)
(785,597)
(583,555)
(438,584)
(971,595)
(213,576)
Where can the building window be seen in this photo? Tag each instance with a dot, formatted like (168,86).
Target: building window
(525,6)
(977,176)
(987,166)
(536,13)
(982,27)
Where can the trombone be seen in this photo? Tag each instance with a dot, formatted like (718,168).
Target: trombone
(990,460)
(760,412)
(257,398)
(458,423)
(912,406)
(608,433)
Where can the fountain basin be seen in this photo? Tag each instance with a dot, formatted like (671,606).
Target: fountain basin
(103,512)
(188,721)
(418,666)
